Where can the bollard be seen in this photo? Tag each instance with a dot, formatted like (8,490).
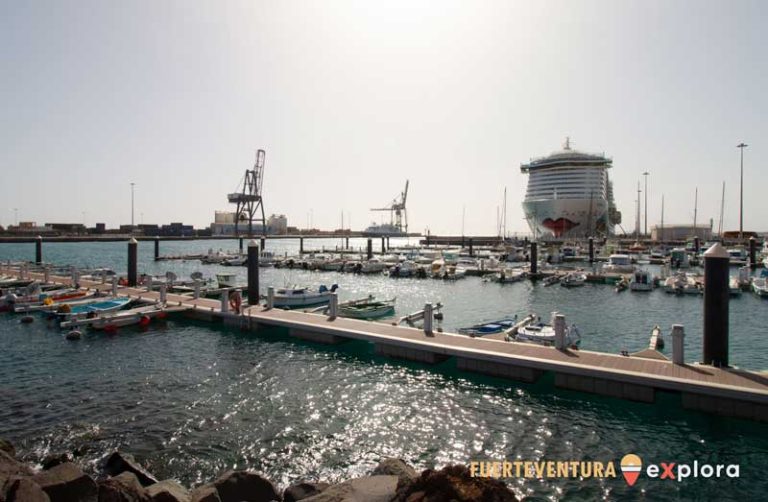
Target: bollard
(591,250)
(333,306)
(253,273)
(270,297)
(678,344)
(114,285)
(157,248)
(225,301)
(752,252)
(263,244)
(370,248)
(534,258)
(428,318)
(39,249)
(559,325)
(163,293)
(133,252)
(716,297)
(471,249)
(197,289)
(46,274)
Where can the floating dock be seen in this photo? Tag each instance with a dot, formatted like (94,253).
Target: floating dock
(723,391)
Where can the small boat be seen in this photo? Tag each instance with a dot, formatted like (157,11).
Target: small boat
(622,284)
(226,280)
(574,280)
(544,334)
(235,261)
(760,286)
(372,266)
(489,328)
(297,297)
(93,309)
(682,284)
(620,264)
(734,287)
(551,280)
(641,281)
(509,275)
(367,309)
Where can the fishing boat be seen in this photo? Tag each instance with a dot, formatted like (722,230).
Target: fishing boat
(641,281)
(94,309)
(544,334)
(574,280)
(489,328)
(760,287)
(619,264)
(367,309)
(226,280)
(296,297)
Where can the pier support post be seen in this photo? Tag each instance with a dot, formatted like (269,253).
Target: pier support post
(383,249)
(114,285)
(429,319)
(197,289)
(346,243)
(534,258)
(752,252)
(157,248)
(270,297)
(241,245)
(716,296)
(471,248)
(301,245)
(333,306)
(591,250)
(388,246)
(133,255)
(39,249)
(225,301)
(263,244)
(370,249)
(559,325)
(678,344)
(696,244)
(253,273)
(163,293)
(427,238)
(46,274)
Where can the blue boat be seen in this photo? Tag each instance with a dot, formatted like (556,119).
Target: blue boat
(96,308)
(489,328)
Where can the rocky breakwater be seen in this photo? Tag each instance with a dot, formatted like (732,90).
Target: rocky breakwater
(122,479)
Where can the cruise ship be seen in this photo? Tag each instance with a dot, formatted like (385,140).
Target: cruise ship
(570,195)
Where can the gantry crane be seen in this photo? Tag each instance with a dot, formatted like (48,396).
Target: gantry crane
(249,200)
(397,210)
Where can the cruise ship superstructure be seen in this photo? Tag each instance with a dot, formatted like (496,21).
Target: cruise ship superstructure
(570,195)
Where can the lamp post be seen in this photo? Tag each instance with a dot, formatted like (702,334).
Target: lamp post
(132,185)
(645,231)
(741,146)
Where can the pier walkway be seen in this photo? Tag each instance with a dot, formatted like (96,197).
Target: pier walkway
(724,391)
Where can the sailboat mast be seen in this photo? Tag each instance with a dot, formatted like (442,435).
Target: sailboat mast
(695,210)
(662,217)
(504,217)
(637,222)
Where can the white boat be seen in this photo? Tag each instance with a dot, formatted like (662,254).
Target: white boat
(573,280)
(569,194)
(367,309)
(738,256)
(235,261)
(544,334)
(682,284)
(734,286)
(509,275)
(760,287)
(619,264)
(226,280)
(641,281)
(679,258)
(295,297)
(373,266)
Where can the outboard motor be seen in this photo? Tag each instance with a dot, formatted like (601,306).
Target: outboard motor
(334,287)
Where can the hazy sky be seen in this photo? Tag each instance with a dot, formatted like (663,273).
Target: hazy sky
(350,99)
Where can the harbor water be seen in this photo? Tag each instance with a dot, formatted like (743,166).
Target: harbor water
(192,399)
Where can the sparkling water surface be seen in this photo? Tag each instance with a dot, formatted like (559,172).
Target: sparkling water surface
(192,399)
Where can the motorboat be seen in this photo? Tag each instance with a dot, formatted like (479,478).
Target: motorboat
(509,275)
(679,258)
(622,285)
(544,334)
(93,309)
(642,280)
(619,264)
(367,309)
(226,280)
(235,261)
(734,286)
(682,284)
(372,266)
(551,280)
(489,328)
(296,297)
(760,287)
(573,280)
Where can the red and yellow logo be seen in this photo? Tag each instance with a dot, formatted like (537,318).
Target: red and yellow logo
(631,465)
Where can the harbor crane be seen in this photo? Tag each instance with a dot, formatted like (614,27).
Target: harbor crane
(397,211)
(249,199)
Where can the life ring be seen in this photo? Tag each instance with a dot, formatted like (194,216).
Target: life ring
(235,301)
(122,282)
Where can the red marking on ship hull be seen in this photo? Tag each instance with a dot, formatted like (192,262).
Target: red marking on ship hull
(559,226)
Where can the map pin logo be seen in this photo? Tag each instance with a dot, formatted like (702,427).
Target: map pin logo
(631,465)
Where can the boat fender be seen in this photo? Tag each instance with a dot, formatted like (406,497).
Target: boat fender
(122,282)
(144,321)
(235,301)
(27,319)
(110,328)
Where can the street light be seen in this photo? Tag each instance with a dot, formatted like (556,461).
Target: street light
(645,232)
(741,146)
(132,184)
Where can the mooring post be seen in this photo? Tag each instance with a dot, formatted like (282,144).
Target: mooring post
(270,297)
(301,245)
(39,249)
(240,244)
(346,243)
(471,249)
(382,246)
(197,289)
(253,273)
(46,274)
(678,344)
(263,244)
(133,255)
(534,258)
(696,244)
(114,285)
(225,301)
(716,297)
(333,306)
(591,250)
(370,248)
(149,283)
(559,331)
(429,318)
(163,293)
(103,276)
(157,248)
(388,246)
(752,252)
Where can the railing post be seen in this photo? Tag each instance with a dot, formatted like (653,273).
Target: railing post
(270,297)
(196,294)
(163,293)
(429,318)
(333,306)
(559,331)
(225,301)
(114,285)
(678,344)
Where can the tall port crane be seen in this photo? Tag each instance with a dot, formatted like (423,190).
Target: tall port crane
(397,211)
(248,199)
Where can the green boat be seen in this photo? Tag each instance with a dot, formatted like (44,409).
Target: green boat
(367,309)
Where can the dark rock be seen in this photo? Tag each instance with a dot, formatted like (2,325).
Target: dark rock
(396,467)
(67,483)
(119,462)
(205,493)
(168,491)
(51,461)
(454,483)
(122,488)
(9,467)
(242,486)
(301,491)
(7,447)
(365,489)
(24,490)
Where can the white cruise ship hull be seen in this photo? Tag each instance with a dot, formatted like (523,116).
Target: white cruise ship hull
(566,217)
